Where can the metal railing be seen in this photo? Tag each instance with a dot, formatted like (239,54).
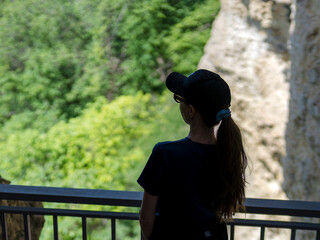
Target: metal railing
(133,199)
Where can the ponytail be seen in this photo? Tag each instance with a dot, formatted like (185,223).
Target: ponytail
(232,169)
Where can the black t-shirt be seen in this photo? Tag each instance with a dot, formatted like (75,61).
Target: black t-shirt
(185,176)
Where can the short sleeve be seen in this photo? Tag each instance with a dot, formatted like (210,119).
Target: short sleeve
(151,178)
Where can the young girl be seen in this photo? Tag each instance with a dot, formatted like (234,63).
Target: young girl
(192,185)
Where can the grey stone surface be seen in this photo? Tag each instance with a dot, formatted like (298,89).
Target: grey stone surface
(301,166)
(248,48)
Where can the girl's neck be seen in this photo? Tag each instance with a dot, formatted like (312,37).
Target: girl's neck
(202,134)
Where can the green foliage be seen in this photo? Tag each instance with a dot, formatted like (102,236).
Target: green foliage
(164,35)
(57,56)
(100,146)
(94,150)
(187,37)
(41,60)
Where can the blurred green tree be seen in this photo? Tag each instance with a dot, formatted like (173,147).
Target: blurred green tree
(57,56)
(41,60)
(99,145)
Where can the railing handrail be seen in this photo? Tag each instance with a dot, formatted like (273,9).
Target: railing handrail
(133,199)
(70,195)
(292,208)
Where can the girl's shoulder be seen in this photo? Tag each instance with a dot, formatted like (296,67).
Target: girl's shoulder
(172,144)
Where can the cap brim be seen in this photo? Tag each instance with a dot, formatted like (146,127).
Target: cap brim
(175,83)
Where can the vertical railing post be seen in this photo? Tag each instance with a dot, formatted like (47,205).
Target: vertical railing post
(113,228)
(26,222)
(4,226)
(262,230)
(55,227)
(293,234)
(231,231)
(84,228)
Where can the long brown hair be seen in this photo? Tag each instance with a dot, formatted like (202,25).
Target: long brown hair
(232,169)
(233,163)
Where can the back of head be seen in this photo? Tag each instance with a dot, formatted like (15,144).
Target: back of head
(209,96)
(203,89)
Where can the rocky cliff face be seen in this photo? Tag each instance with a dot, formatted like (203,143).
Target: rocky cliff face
(248,48)
(269,52)
(15,226)
(302,164)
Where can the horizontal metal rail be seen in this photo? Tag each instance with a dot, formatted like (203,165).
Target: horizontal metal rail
(70,195)
(69,212)
(133,199)
(283,207)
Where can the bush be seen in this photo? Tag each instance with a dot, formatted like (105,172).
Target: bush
(100,146)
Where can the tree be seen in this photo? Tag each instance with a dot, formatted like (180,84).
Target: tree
(57,56)
(99,145)
(40,60)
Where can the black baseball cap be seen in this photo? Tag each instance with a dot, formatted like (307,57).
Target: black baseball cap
(203,89)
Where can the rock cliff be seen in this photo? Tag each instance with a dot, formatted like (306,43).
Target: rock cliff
(301,166)
(15,227)
(248,47)
(269,52)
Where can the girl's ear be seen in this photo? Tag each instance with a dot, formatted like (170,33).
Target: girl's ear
(192,111)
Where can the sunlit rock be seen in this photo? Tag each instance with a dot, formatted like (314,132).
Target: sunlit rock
(248,47)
